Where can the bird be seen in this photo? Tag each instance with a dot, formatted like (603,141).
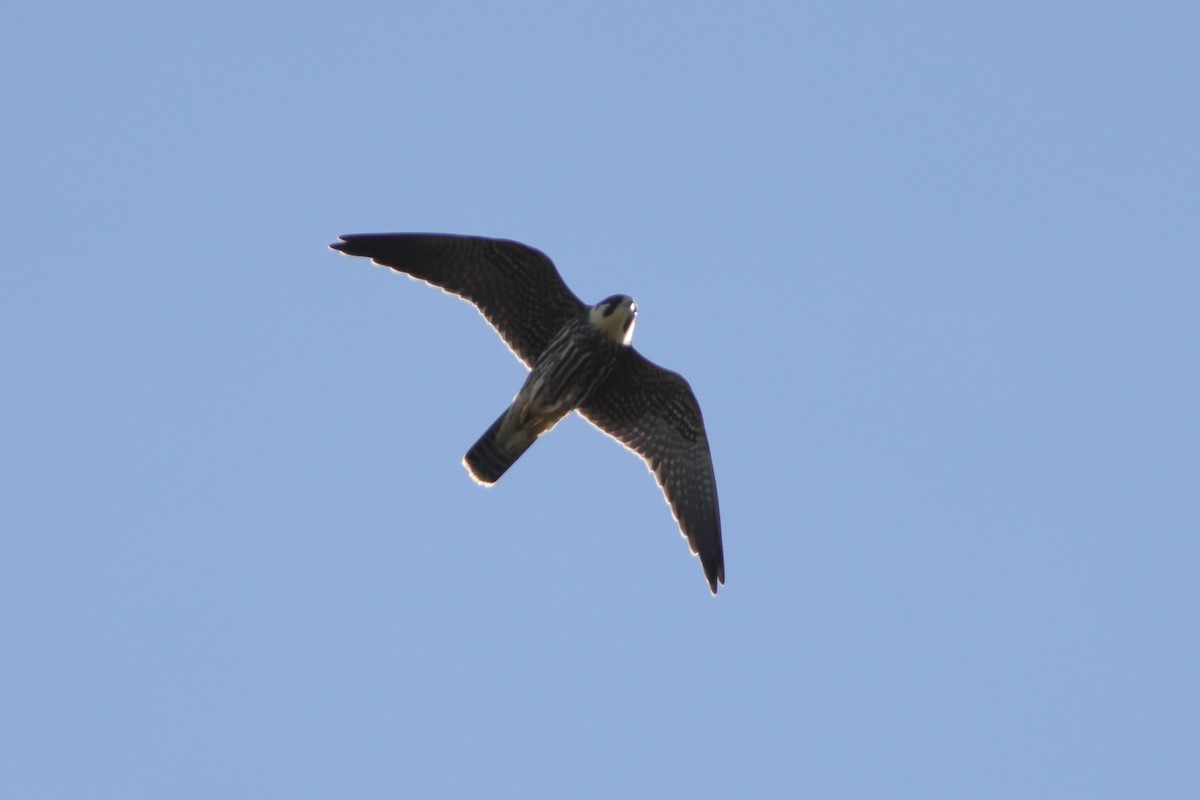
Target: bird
(580,358)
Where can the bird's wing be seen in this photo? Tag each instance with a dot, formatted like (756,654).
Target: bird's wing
(516,288)
(653,412)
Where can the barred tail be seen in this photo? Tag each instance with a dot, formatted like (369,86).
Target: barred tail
(497,449)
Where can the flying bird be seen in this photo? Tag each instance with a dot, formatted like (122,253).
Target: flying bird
(579,359)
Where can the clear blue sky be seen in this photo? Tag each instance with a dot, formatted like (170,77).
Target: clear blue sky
(933,272)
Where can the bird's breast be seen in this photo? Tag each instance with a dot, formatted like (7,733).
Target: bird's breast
(570,368)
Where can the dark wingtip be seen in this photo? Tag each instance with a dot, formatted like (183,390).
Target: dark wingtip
(713,580)
(362,244)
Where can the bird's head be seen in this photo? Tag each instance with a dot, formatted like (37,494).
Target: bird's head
(615,315)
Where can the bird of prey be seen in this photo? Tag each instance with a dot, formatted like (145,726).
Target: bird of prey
(580,359)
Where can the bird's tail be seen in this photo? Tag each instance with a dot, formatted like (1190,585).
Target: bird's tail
(501,445)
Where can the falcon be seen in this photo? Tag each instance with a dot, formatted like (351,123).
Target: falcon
(579,359)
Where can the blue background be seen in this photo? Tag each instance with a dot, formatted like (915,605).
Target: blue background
(932,271)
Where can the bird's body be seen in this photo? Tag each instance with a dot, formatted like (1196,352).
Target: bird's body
(580,358)
(577,359)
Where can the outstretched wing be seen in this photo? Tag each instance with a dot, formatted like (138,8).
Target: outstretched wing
(653,412)
(516,288)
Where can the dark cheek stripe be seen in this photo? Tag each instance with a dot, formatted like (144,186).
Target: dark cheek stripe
(610,304)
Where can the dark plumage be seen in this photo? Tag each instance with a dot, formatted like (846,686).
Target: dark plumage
(574,366)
